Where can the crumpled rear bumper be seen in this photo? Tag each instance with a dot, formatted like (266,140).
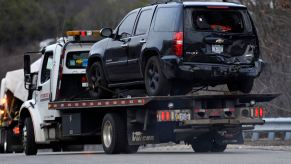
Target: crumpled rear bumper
(211,71)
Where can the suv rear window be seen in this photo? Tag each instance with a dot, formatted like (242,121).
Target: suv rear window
(77,60)
(218,20)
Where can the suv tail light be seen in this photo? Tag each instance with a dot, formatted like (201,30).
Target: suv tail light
(178,44)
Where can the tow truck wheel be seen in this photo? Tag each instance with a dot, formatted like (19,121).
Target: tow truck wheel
(130,149)
(218,148)
(29,145)
(97,81)
(113,133)
(202,144)
(156,82)
(7,141)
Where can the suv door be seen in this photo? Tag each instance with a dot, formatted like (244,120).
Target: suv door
(138,41)
(116,54)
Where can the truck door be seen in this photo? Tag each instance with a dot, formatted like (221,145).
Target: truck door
(43,93)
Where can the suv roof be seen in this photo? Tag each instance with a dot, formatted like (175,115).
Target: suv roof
(228,4)
(190,3)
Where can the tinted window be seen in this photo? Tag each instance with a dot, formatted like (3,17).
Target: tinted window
(46,67)
(220,21)
(128,23)
(165,19)
(77,60)
(144,22)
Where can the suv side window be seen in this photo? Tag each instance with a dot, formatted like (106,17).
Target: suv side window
(46,67)
(144,22)
(127,25)
(165,20)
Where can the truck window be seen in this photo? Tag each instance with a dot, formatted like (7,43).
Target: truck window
(128,23)
(46,67)
(77,60)
(165,20)
(144,22)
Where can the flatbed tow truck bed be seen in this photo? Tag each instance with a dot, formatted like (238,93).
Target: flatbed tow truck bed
(199,120)
(238,99)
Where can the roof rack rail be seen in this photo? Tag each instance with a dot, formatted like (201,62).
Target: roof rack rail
(167,1)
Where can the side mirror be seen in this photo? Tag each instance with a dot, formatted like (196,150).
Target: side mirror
(27,64)
(106,32)
(27,72)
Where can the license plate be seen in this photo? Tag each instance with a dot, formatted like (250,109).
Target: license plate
(183,116)
(217,49)
(85,85)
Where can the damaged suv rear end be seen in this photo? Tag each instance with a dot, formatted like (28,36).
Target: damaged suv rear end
(220,45)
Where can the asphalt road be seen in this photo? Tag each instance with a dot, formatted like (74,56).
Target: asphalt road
(233,155)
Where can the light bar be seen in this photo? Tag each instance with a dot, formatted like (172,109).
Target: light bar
(83,33)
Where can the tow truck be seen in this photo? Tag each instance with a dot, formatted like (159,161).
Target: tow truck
(61,112)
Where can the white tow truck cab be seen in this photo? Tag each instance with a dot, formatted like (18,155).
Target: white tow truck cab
(61,76)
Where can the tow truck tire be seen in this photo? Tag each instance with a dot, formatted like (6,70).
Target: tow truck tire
(218,148)
(7,145)
(28,138)
(113,133)
(156,82)
(95,76)
(131,149)
(202,144)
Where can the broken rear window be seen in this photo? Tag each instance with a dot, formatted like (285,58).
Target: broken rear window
(218,20)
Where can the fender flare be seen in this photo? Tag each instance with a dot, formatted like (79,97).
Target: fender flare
(28,110)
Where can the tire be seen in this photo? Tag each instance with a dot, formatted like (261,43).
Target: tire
(56,148)
(244,85)
(202,144)
(96,77)
(218,148)
(113,134)
(7,145)
(131,149)
(156,82)
(28,138)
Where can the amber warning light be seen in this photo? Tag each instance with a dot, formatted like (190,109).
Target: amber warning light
(80,33)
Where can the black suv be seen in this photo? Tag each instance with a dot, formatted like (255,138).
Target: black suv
(172,47)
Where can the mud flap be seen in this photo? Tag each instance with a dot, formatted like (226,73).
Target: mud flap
(229,136)
(137,136)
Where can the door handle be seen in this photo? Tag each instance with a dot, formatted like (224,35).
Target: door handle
(142,41)
(124,45)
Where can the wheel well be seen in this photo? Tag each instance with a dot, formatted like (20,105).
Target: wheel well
(148,54)
(92,60)
(24,114)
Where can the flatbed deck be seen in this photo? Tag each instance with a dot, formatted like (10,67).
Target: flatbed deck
(142,101)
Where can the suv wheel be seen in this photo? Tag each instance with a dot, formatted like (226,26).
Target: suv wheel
(244,85)
(97,81)
(155,81)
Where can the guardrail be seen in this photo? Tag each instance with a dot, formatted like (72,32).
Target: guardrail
(272,127)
